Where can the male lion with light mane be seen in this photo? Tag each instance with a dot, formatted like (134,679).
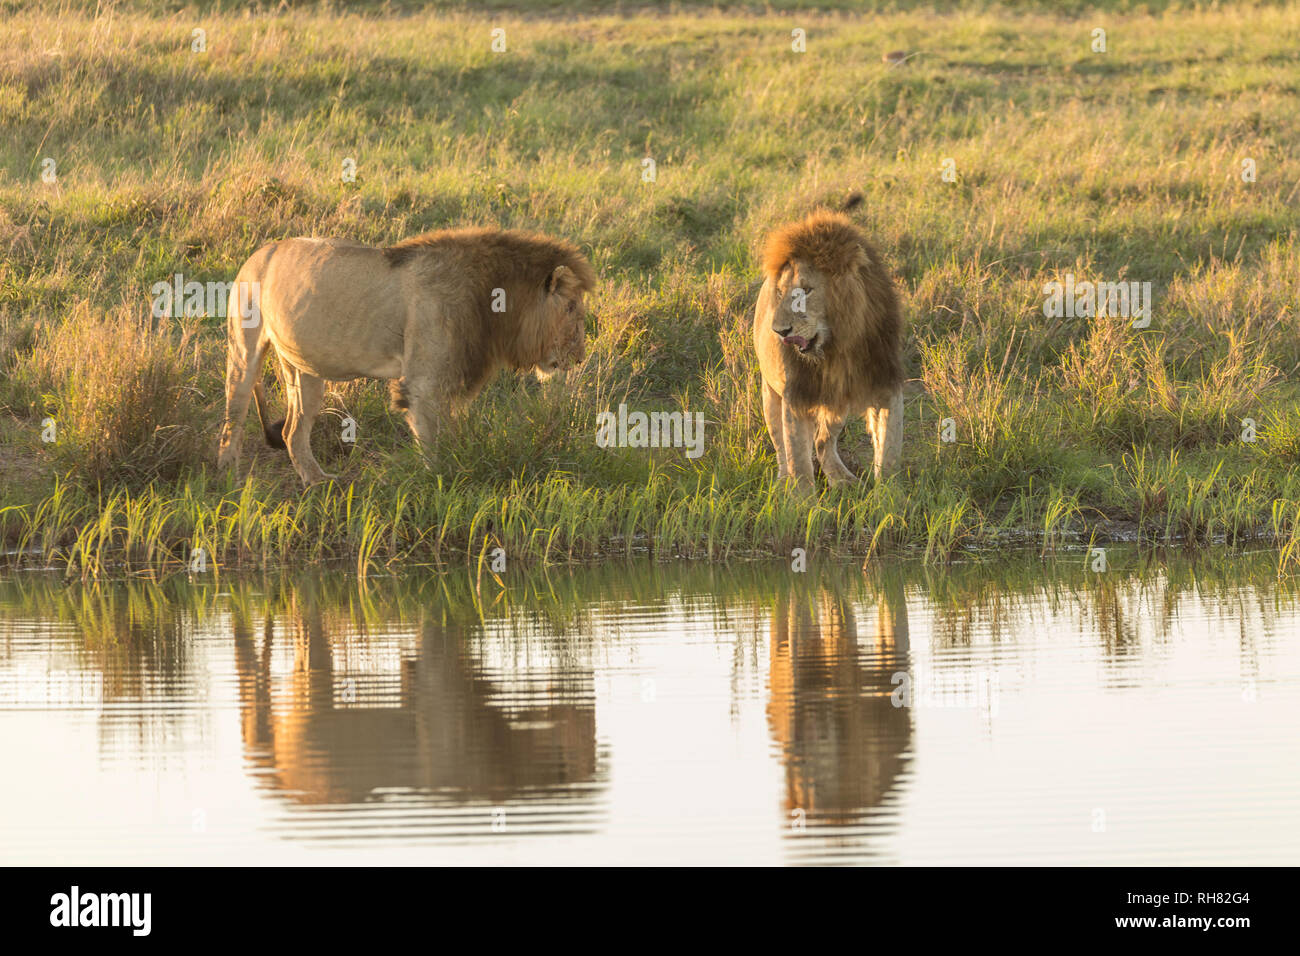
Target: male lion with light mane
(827,330)
(438,315)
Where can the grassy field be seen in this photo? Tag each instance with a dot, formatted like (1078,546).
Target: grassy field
(1123,165)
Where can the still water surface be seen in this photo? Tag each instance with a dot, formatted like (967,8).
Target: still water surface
(1001,712)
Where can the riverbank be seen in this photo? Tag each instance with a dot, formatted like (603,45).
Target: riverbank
(1005,156)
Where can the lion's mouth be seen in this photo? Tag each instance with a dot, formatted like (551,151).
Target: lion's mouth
(802,344)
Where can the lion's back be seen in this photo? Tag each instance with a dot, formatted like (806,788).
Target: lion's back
(331,306)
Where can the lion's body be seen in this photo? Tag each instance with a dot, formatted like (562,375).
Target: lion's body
(828,333)
(437,314)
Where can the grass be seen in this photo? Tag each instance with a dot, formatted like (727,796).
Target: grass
(1116,166)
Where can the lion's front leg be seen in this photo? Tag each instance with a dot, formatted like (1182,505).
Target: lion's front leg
(886,426)
(798,431)
(426,412)
(828,452)
(772,404)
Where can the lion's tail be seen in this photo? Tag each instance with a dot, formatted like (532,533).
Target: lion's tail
(273,432)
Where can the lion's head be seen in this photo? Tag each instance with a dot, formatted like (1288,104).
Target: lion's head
(526,295)
(817,266)
(799,319)
(563,317)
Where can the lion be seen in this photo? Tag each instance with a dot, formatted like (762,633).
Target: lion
(437,315)
(828,333)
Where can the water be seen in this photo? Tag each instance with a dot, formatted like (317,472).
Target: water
(658,714)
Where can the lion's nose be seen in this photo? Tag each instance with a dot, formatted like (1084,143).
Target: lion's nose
(783,332)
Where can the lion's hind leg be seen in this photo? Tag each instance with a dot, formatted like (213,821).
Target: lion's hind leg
(245,354)
(304,393)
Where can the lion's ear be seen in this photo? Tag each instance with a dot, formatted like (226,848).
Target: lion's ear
(556,277)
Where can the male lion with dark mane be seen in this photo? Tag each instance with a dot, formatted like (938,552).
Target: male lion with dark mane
(438,315)
(828,330)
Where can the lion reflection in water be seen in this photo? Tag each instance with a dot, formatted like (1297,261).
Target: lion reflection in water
(444,734)
(829,704)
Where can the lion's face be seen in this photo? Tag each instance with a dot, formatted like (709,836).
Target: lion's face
(566,322)
(800,316)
